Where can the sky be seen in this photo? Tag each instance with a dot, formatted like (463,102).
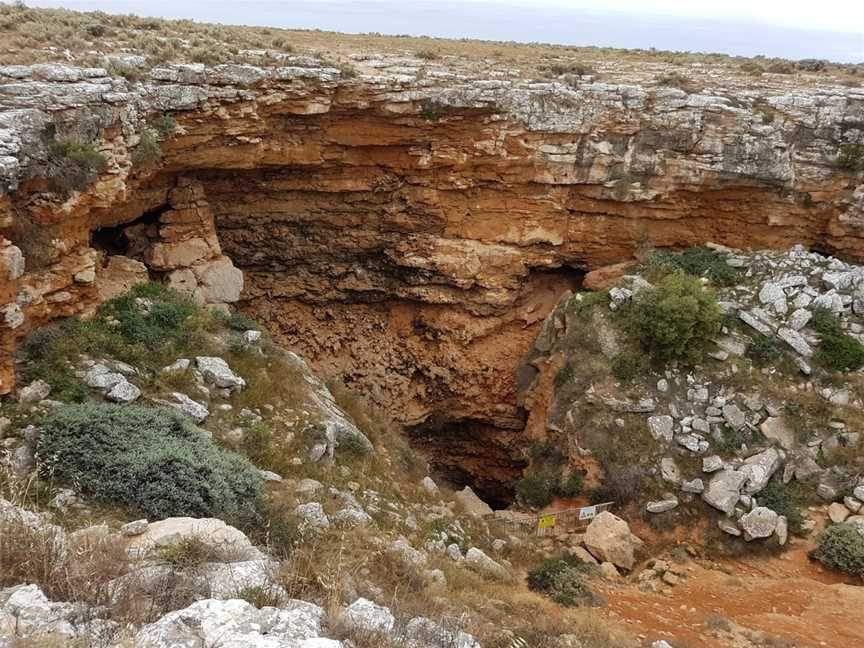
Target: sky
(832,29)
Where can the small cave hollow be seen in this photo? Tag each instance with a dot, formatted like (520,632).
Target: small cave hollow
(114,240)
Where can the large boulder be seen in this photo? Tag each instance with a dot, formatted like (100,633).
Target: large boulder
(776,428)
(26,613)
(724,489)
(609,539)
(472,504)
(218,281)
(482,563)
(661,427)
(236,623)
(761,522)
(216,371)
(366,616)
(118,276)
(221,539)
(759,469)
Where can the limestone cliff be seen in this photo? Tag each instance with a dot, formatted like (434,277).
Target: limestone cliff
(408,228)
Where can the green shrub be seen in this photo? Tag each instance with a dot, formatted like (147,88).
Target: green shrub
(698,261)
(148,326)
(623,483)
(73,164)
(561,580)
(825,322)
(837,351)
(731,440)
(850,157)
(676,319)
(238,322)
(626,367)
(676,80)
(128,72)
(534,491)
(782,500)
(148,152)
(841,547)
(545,453)
(261,596)
(572,485)
(585,301)
(781,67)
(151,459)
(764,350)
(164,125)
(153,315)
(187,553)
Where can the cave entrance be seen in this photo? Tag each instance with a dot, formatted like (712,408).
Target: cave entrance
(473,453)
(115,240)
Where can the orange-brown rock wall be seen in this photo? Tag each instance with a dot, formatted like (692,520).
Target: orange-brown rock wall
(413,253)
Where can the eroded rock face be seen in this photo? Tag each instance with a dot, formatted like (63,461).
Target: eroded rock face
(414,256)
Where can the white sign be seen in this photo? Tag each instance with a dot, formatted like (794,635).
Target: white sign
(587,512)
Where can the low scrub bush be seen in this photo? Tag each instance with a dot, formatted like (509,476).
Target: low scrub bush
(564,375)
(781,67)
(838,351)
(841,547)
(238,321)
(561,580)
(148,326)
(782,500)
(850,157)
(148,152)
(698,261)
(626,367)
(534,491)
(676,80)
(73,164)
(261,596)
(546,477)
(676,319)
(572,485)
(164,125)
(42,555)
(128,72)
(764,350)
(187,554)
(622,484)
(579,69)
(274,525)
(151,459)
(585,301)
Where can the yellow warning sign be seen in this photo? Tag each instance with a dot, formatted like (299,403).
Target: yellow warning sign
(546,521)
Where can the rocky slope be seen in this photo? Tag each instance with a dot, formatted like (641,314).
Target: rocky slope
(769,419)
(405,226)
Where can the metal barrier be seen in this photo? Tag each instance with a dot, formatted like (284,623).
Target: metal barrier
(568,520)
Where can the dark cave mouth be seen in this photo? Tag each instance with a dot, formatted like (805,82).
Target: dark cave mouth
(471,453)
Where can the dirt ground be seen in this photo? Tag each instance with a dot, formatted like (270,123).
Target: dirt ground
(787,597)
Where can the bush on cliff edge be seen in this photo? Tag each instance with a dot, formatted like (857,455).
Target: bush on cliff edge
(675,319)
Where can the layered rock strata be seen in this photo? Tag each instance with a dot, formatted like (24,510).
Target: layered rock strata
(408,228)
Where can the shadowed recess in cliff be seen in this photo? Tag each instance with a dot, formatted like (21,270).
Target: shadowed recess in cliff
(446,372)
(472,453)
(115,240)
